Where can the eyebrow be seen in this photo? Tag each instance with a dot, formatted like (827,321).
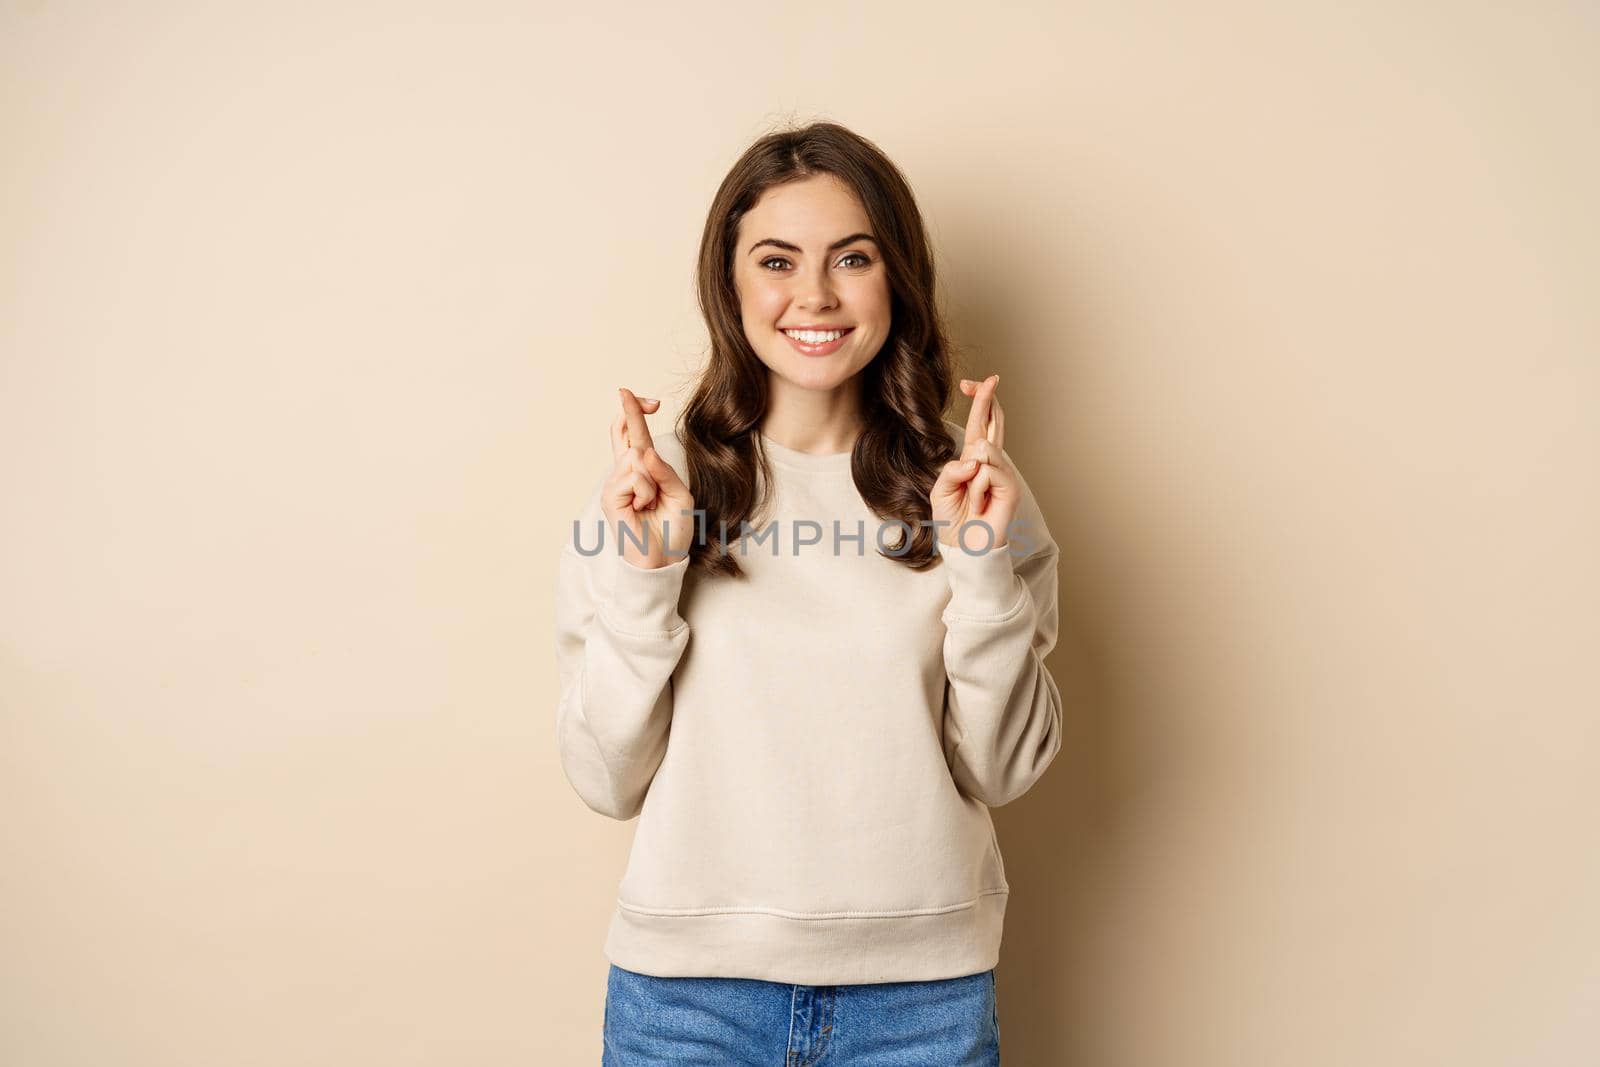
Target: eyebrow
(786,246)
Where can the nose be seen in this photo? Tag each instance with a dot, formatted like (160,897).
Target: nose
(816,290)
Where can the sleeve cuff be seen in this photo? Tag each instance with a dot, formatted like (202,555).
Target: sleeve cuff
(644,600)
(985,585)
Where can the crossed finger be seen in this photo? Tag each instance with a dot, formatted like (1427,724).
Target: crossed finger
(986,420)
(629,430)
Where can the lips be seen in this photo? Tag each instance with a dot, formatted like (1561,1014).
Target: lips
(825,348)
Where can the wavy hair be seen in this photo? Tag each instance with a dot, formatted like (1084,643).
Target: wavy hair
(905,388)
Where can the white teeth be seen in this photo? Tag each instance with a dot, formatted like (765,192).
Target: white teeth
(814,337)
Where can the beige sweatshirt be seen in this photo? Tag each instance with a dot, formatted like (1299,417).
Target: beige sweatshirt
(812,750)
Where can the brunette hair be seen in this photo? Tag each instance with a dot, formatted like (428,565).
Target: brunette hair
(905,389)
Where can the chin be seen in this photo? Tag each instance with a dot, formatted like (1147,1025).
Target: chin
(821,379)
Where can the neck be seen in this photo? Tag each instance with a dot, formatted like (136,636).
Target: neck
(810,420)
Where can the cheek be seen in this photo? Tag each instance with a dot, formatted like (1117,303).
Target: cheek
(761,303)
(872,297)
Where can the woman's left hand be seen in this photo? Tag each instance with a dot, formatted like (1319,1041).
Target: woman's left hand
(981,485)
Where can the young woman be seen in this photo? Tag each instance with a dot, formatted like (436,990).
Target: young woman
(802,638)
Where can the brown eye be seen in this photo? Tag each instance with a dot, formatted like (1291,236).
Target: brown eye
(857,255)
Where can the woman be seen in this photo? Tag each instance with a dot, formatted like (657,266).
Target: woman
(802,637)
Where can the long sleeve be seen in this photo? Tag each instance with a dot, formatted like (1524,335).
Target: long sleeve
(1002,723)
(619,637)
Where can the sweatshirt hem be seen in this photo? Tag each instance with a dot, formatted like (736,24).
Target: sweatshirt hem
(809,948)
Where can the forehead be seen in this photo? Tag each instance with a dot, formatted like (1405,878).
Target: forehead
(815,210)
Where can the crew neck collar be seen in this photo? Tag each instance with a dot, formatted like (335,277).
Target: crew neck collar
(784,456)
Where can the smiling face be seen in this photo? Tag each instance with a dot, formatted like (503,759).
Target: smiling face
(805,257)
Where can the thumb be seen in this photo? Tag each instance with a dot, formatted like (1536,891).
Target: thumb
(663,473)
(951,478)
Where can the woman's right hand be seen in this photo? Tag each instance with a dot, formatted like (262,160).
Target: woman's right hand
(644,493)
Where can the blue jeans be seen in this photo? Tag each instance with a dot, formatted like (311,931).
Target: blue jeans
(745,1022)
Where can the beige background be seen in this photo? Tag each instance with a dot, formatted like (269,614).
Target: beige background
(312,318)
